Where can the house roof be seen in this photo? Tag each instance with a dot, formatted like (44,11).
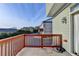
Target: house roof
(48,20)
(57,8)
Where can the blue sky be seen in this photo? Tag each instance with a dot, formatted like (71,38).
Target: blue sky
(20,15)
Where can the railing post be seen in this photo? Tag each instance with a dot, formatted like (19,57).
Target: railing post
(1,49)
(60,40)
(24,40)
(11,48)
(41,41)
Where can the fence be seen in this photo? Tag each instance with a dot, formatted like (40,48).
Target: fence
(11,46)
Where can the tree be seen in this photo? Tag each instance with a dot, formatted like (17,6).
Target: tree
(3,35)
(35,31)
(18,32)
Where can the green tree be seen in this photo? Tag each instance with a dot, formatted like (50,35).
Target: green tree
(3,35)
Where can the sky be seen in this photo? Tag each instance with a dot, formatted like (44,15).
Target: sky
(18,15)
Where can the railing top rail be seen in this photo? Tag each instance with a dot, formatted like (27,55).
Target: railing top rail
(10,38)
(43,34)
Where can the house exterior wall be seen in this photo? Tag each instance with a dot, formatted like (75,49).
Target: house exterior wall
(65,29)
(60,28)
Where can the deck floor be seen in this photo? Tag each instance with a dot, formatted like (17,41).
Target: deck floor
(30,51)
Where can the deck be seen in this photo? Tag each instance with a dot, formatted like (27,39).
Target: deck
(32,45)
(41,52)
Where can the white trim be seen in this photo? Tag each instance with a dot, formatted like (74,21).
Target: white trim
(71,14)
(73,54)
(74,11)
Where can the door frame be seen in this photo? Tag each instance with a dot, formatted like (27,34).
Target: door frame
(72,26)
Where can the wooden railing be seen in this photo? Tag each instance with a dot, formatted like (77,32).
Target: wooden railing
(11,46)
(43,40)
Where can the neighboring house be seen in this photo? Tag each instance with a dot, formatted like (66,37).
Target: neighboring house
(66,22)
(46,26)
(7,30)
(40,29)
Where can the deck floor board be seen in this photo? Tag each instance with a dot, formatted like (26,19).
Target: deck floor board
(30,51)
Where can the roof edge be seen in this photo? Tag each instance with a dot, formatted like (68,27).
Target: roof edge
(65,5)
